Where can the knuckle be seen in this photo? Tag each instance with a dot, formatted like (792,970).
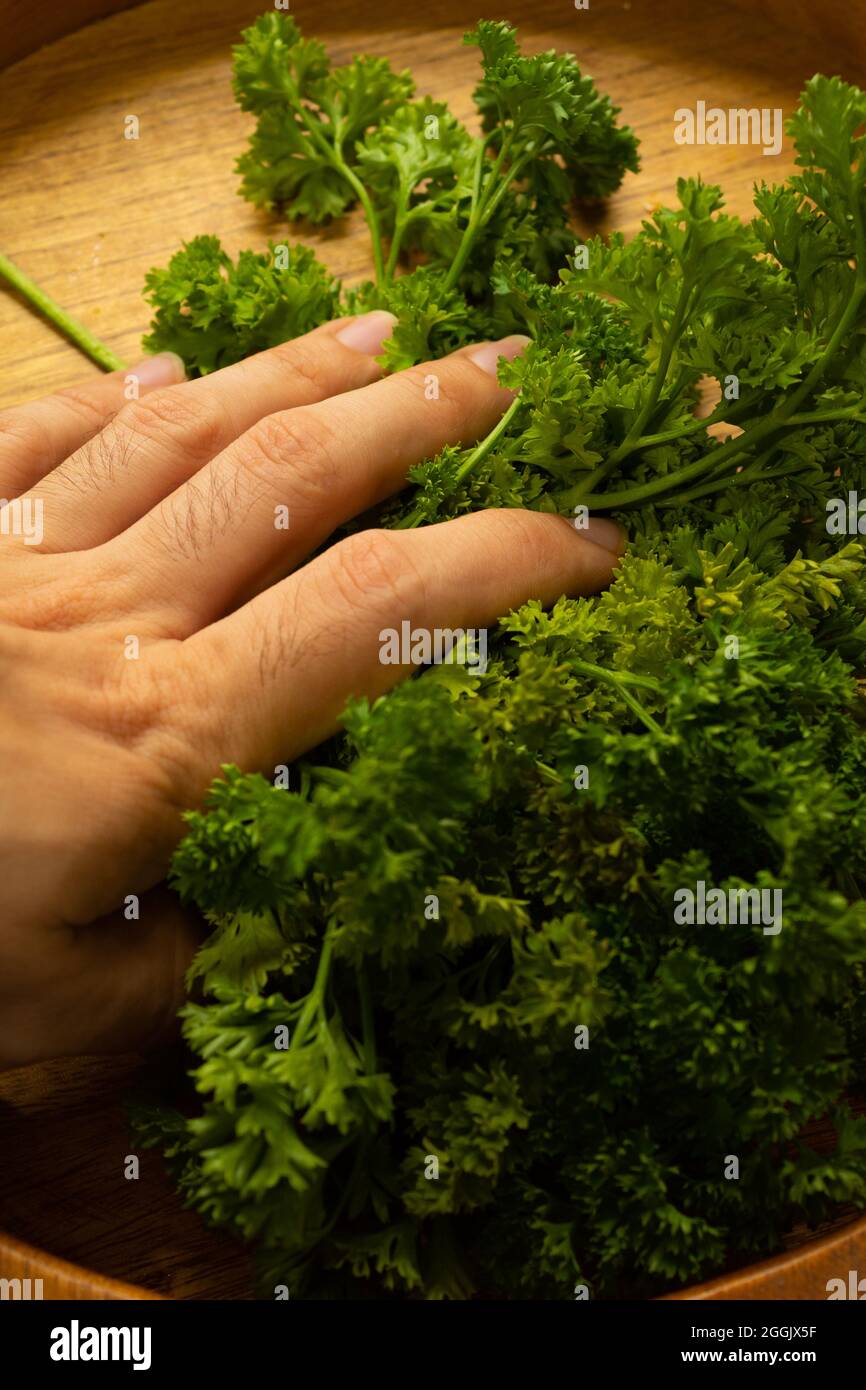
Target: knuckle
(505,532)
(24,446)
(294,454)
(54,594)
(374,570)
(80,403)
(453,389)
(306,365)
(176,413)
(453,386)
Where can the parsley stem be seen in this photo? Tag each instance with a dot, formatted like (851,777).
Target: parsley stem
(394,250)
(368,1027)
(333,153)
(634,438)
(637,708)
(67,325)
(483,204)
(622,679)
(720,415)
(517,166)
(844,323)
(316,997)
(472,225)
(471,461)
(669,342)
(753,474)
(370,214)
(618,677)
(738,480)
(482,449)
(716,459)
(782,417)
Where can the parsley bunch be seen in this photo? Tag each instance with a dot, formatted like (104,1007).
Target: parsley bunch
(476,879)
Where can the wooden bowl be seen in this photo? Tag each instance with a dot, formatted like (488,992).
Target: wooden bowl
(86,213)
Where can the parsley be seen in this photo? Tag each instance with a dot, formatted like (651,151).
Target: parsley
(213,312)
(447,1036)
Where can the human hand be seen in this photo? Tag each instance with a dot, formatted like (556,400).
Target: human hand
(156,621)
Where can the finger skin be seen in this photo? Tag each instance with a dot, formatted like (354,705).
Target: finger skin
(36,437)
(279,671)
(133,974)
(155,444)
(215,542)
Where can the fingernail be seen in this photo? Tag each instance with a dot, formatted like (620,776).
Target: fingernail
(487,355)
(368,332)
(164,369)
(604,533)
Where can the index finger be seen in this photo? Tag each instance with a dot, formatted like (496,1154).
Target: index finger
(156,443)
(38,435)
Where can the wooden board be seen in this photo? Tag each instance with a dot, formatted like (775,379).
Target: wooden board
(64,1144)
(86,213)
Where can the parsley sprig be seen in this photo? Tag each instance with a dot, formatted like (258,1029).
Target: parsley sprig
(482,866)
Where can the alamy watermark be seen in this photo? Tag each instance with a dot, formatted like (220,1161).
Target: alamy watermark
(22,516)
(714,907)
(77,1343)
(853,1287)
(846,516)
(738,125)
(422,646)
(23,1289)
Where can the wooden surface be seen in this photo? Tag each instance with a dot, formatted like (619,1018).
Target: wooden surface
(86,213)
(44,1276)
(802,1273)
(90,1233)
(64,1142)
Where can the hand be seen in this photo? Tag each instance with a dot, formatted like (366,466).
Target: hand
(156,621)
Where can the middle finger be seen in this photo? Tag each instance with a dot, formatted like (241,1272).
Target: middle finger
(280,490)
(155,444)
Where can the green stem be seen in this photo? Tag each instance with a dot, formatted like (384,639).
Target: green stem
(516,168)
(622,679)
(316,997)
(483,205)
(820,367)
(718,459)
(70,327)
(589,668)
(582,490)
(628,496)
(634,438)
(783,417)
(738,480)
(471,461)
(850,311)
(333,154)
(367,1022)
(394,252)
(370,213)
(670,341)
(472,225)
(487,443)
(637,708)
(722,414)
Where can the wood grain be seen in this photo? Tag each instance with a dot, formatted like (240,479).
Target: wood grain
(86,213)
(64,1141)
(798,1274)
